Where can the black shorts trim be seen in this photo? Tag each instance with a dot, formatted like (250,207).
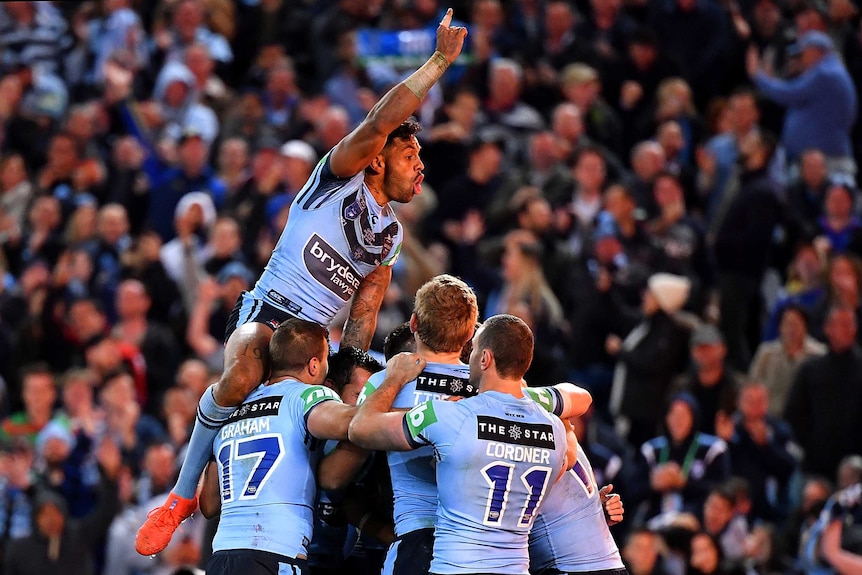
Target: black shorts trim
(415,549)
(254,562)
(249,309)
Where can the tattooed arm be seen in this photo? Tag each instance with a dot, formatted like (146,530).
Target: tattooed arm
(363,311)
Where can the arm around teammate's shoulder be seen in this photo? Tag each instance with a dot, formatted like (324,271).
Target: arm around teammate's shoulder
(330,420)
(374,427)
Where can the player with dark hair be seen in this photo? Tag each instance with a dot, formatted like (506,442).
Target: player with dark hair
(340,243)
(266,456)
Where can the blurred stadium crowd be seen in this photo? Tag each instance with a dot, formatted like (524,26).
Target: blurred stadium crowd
(665,190)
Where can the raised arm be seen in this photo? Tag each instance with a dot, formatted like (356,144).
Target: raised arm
(362,320)
(352,154)
(374,427)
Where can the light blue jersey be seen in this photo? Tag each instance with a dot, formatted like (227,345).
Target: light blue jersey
(414,484)
(571,533)
(266,462)
(497,456)
(336,235)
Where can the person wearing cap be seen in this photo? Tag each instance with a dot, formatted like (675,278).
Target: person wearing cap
(710,380)
(821,102)
(649,357)
(339,245)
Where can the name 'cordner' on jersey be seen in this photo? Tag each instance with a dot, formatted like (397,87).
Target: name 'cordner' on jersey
(336,235)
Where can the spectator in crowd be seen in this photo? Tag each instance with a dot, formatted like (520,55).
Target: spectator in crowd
(582,87)
(710,380)
(680,239)
(192,174)
(843,524)
(33,34)
(38,392)
(744,226)
(720,154)
(157,344)
(776,362)
(648,358)
(761,452)
(805,196)
(821,102)
(641,553)
(59,540)
(697,34)
(676,471)
(817,406)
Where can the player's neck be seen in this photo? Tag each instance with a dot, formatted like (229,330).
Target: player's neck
(491,382)
(451,358)
(279,376)
(375,186)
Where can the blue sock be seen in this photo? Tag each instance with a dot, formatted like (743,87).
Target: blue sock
(211,416)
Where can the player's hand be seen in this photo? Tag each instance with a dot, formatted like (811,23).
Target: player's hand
(612,505)
(450,39)
(404,367)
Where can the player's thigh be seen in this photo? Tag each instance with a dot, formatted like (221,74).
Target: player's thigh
(410,554)
(246,362)
(248,562)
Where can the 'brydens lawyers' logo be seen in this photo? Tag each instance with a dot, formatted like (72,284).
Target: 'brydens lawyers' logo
(329,268)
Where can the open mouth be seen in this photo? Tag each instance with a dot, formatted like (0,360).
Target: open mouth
(417,184)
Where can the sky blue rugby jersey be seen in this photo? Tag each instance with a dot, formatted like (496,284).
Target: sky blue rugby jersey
(414,483)
(266,461)
(336,235)
(497,456)
(570,532)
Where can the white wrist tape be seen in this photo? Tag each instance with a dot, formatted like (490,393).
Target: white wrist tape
(420,81)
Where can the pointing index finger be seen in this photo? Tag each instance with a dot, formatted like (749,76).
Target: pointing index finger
(447,18)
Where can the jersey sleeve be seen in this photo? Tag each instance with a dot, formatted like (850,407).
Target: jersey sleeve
(314,396)
(548,398)
(322,186)
(370,386)
(422,424)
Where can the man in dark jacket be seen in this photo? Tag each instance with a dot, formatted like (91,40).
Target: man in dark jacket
(826,398)
(745,224)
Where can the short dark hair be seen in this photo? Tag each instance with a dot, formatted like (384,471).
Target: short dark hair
(295,342)
(399,339)
(344,361)
(510,339)
(408,128)
(35,368)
